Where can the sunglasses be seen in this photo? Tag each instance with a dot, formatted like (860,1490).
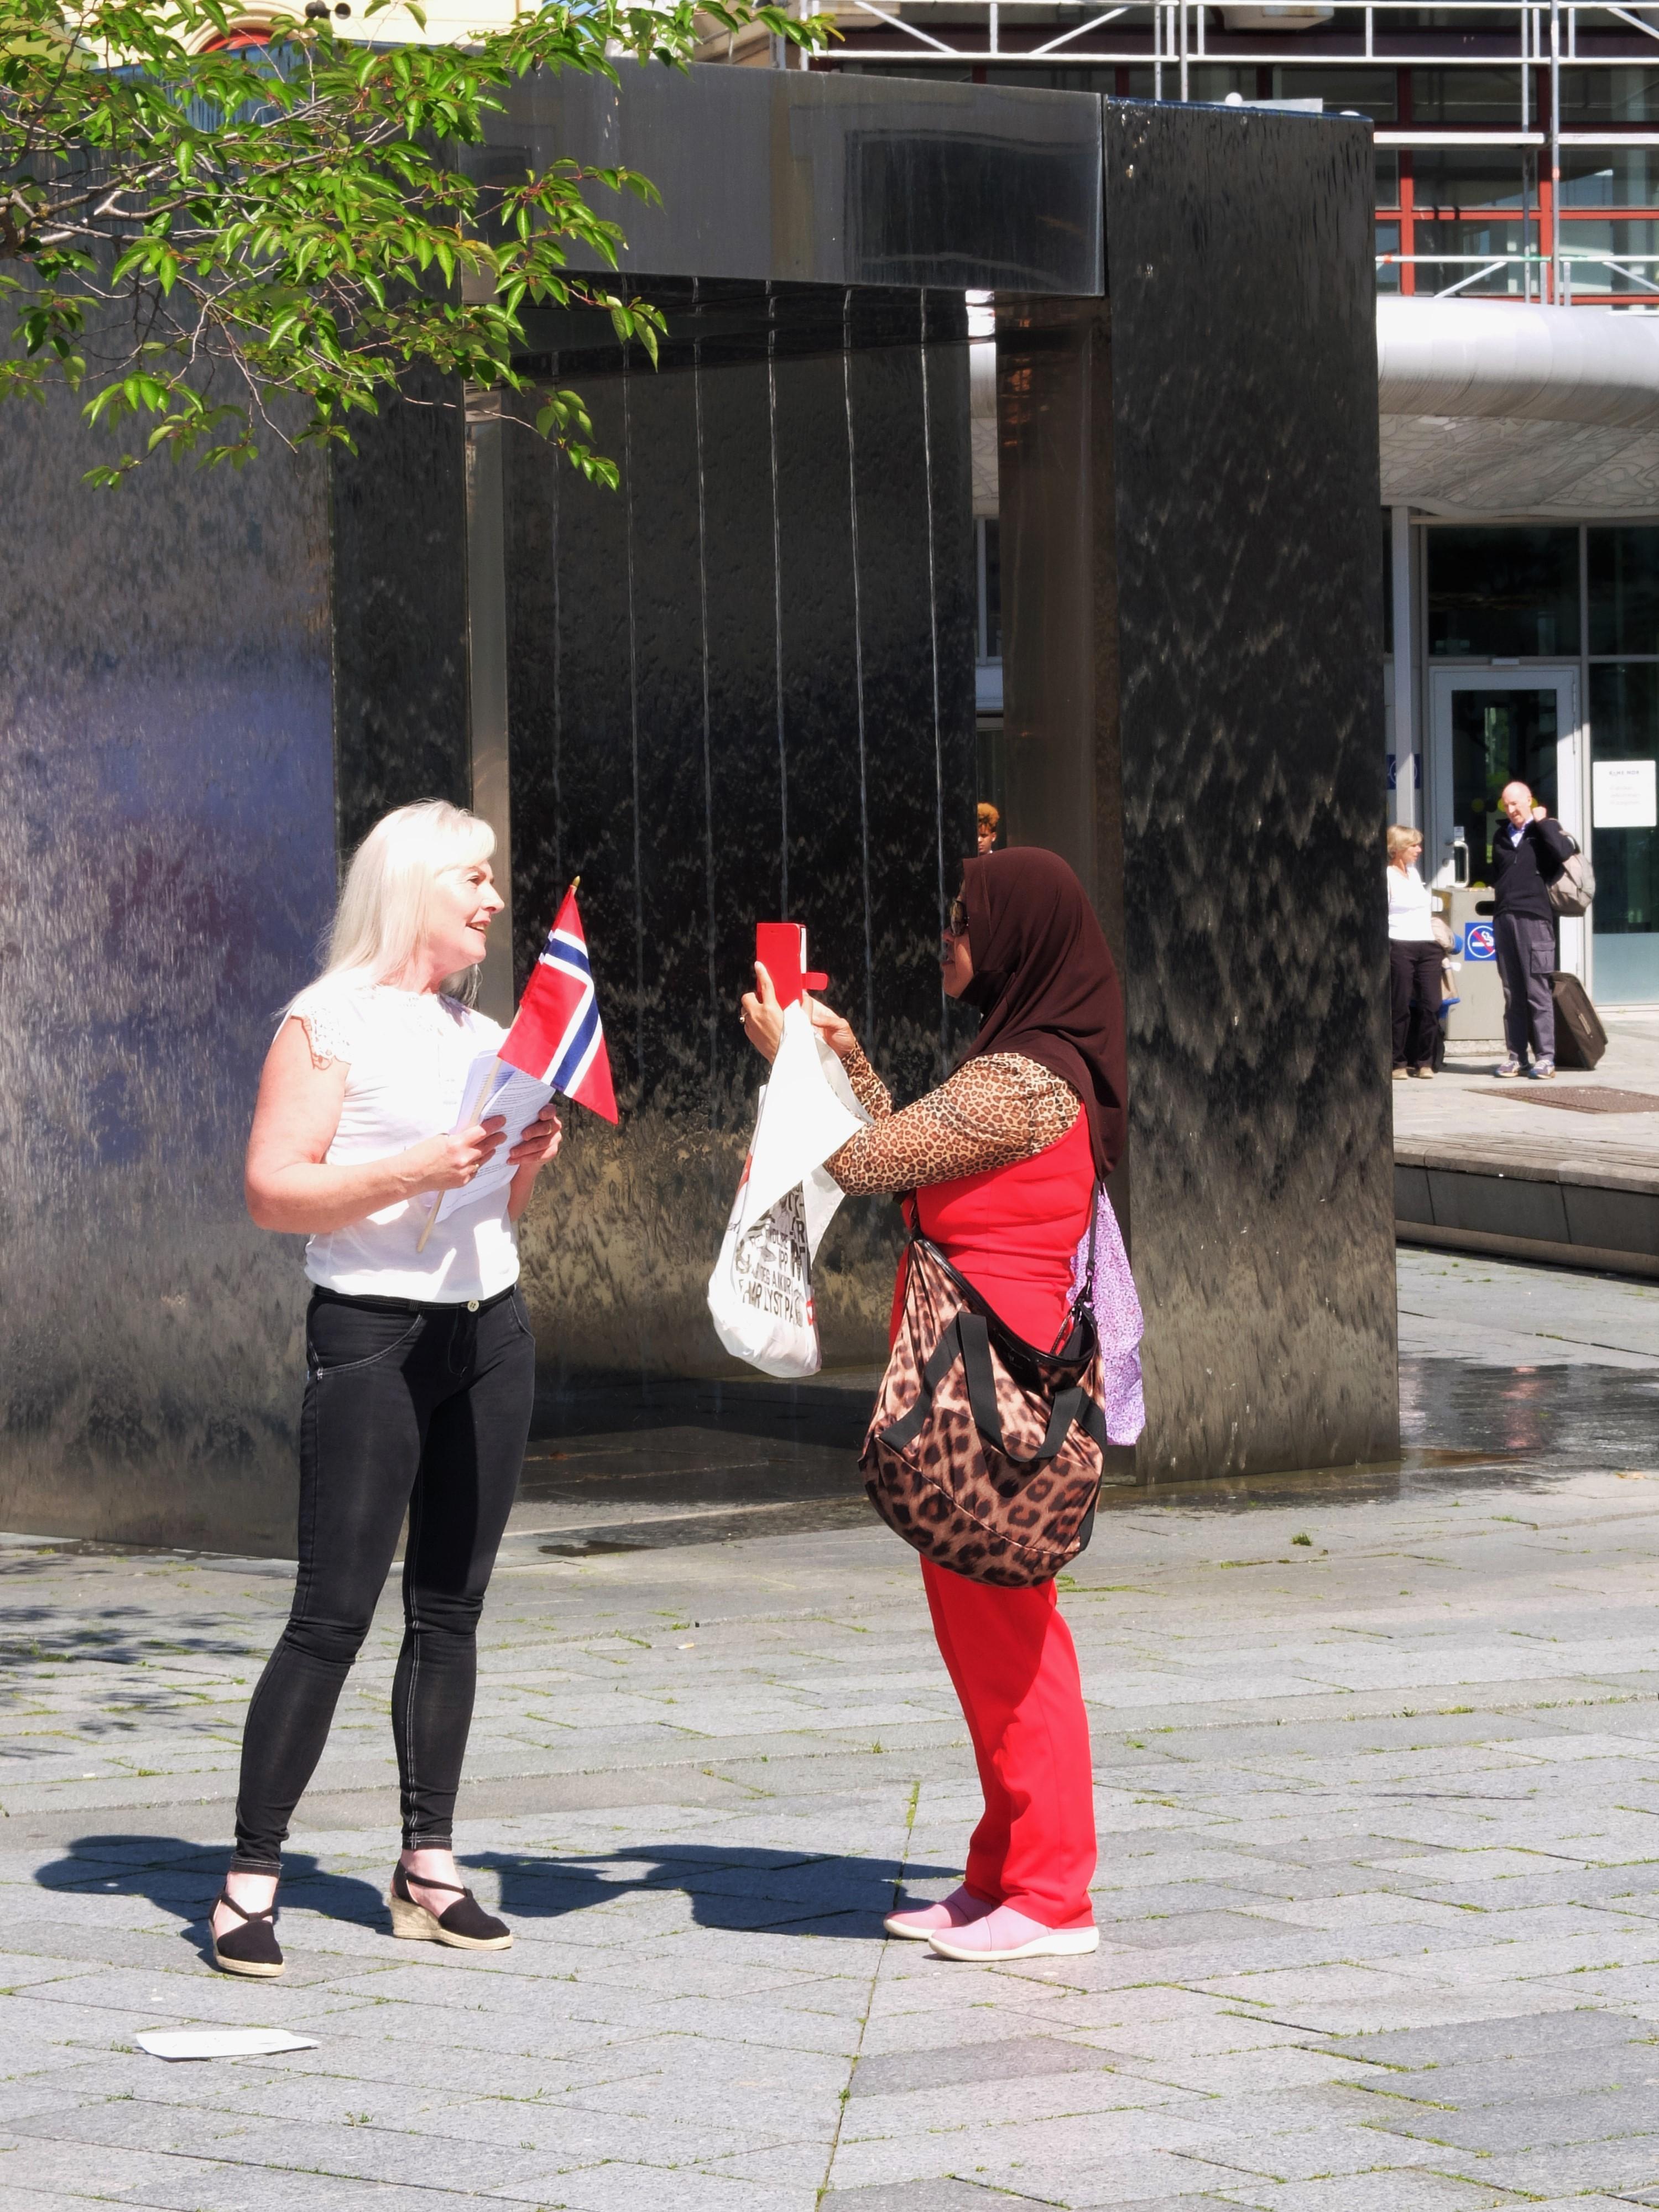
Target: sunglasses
(956,920)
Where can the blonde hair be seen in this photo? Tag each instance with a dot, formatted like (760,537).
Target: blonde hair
(1401,840)
(380,922)
(989,817)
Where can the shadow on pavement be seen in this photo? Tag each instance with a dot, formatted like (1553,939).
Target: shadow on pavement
(184,1879)
(746,1888)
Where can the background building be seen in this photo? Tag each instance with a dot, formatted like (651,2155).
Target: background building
(1516,165)
(1517,162)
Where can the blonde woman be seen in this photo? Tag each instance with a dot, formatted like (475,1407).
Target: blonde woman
(1414,957)
(420,1363)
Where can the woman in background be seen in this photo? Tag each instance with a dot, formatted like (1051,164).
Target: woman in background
(1414,957)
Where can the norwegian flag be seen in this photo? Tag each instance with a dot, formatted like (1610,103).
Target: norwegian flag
(556,1035)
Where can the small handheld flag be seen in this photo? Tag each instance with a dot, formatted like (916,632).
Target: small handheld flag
(556,1035)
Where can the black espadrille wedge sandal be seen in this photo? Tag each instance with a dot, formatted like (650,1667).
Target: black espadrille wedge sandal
(250,1949)
(464,1925)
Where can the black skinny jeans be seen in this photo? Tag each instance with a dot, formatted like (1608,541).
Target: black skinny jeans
(419,1406)
(1415,972)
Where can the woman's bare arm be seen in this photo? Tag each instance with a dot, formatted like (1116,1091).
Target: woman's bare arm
(288,1183)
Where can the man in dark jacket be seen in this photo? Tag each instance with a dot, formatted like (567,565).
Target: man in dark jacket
(1527,853)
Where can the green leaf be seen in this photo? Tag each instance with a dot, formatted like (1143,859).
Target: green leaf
(295,222)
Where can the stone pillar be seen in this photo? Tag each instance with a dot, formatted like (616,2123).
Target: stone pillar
(1192,672)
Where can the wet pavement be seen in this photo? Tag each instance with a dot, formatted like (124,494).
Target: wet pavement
(1378,1787)
(1542,1371)
(1508,1374)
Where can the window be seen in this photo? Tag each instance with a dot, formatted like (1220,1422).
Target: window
(1607,179)
(1609,95)
(1624,705)
(1373,92)
(1450,180)
(1612,257)
(1444,96)
(1206,82)
(1387,582)
(987,532)
(1502,592)
(1484,256)
(1624,590)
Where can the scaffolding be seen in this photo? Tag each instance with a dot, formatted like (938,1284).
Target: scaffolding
(1575,81)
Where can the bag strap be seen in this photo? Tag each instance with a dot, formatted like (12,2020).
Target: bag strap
(1085,1292)
(967,1338)
(944,1358)
(974,1337)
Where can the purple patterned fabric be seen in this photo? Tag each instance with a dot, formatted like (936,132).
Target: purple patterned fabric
(1117,1323)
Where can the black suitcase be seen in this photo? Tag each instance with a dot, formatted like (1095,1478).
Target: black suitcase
(1580,1039)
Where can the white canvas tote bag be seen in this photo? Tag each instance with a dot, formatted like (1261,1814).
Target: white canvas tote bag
(760,1295)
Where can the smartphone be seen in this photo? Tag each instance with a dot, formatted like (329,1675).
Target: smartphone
(781,947)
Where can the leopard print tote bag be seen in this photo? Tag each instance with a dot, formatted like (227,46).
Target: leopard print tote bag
(984,1452)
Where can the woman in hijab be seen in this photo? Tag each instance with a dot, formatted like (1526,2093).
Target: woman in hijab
(1001,1162)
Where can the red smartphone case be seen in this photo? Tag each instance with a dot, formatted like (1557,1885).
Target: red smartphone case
(780,948)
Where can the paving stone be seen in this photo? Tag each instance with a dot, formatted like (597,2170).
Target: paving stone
(1131,2183)
(996,2059)
(1519,2035)
(1528,2123)
(1623,2168)
(948,2196)
(1401,2191)
(1375,1870)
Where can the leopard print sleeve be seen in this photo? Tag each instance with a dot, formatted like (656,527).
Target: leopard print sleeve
(868,1088)
(989,1114)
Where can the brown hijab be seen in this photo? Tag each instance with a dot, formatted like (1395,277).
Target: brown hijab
(1045,984)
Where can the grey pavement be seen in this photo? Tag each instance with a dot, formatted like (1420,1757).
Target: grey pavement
(1465,1108)
(1377,1768)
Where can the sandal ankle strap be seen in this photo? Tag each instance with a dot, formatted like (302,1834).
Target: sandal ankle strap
(427,1881)
(241,1912)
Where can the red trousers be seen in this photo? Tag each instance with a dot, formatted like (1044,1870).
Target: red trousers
(1010,1657)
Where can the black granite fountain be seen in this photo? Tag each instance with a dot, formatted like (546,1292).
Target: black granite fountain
(740,686)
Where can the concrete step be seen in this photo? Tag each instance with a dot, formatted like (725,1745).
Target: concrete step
(1567,1173)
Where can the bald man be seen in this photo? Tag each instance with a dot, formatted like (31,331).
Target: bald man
(1527,853)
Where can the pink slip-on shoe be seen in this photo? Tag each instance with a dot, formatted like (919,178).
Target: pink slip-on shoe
(920,1921)
(1006,1934)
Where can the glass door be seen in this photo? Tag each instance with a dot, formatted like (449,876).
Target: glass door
(1489,726)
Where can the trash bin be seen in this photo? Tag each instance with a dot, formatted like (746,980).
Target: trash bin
(1478,1012)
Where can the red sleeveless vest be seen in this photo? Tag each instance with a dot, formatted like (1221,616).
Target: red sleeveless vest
(1013,1232)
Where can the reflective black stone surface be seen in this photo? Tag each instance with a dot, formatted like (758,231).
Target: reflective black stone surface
(822,179)
(399,608)
(741,691)
(166,824)
(741,688)
(1192,677)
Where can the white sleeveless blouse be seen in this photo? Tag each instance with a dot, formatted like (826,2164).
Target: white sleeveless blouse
(406,1056)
